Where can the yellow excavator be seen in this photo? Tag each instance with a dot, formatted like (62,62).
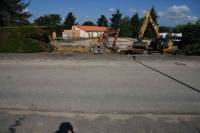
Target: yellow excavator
(156,45)
(100,44)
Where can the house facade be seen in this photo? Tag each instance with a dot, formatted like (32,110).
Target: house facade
(79,31)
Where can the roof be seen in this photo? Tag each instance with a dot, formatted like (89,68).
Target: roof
(92,28)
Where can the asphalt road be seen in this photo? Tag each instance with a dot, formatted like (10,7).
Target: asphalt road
(99,85)
(98,91)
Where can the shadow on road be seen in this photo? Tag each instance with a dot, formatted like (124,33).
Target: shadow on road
(65,127)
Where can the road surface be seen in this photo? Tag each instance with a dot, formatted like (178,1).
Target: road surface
(99,84)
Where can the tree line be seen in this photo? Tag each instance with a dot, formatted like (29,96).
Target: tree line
(129,26)
(14,13)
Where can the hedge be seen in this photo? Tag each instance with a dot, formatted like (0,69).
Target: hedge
(24,40)
(193,49)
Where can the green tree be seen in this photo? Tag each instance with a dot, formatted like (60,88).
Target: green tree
(102,21)
(154,15)
(48,20)
(191,40)
(165,29)
(135,25)
(13,12)
(70,20)
(125,27)
(116,19)
(88,23)
(198,22)
(191,32)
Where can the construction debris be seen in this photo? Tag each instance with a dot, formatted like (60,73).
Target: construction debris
(73,49)
(101,44)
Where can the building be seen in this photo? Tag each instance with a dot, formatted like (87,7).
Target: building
(175,35)
(79,31)
(71,34)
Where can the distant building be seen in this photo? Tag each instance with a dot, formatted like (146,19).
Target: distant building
(176,35)
(79,31)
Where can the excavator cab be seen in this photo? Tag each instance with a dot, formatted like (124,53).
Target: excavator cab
(156,45)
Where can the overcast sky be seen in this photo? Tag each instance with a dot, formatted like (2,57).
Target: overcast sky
(171,12)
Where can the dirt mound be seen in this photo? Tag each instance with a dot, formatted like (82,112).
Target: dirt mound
(73,49)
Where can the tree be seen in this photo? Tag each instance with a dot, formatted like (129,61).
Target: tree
(135,25)
(116,19)
(191,32)
(88,23)
(198,22)
(13,12)
(102,21)
(154,15)
(48,20)
(70,20)
(165,29)
(125,27)
(190,40)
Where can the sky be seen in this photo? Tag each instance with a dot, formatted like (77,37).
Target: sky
(171,12)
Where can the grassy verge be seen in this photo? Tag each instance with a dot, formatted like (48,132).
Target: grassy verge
(24,40)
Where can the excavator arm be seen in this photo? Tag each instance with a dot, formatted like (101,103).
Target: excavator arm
(154,27)
(144,26)
(105,35)
(102,41)
(148,19)
(115,38)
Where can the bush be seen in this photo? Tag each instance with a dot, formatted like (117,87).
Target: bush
(193,49)
(191,32)
(24,39)
(191,40)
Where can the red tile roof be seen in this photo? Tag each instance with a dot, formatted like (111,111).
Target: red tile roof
(92,28)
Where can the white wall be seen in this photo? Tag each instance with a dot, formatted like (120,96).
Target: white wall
(83,34)
(66,35)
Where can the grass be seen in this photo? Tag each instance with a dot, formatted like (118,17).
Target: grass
(24,40)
